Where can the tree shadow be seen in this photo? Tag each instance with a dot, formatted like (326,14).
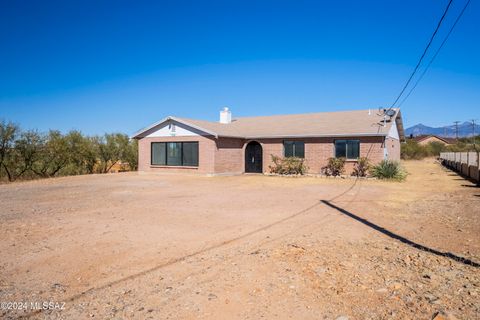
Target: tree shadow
(402,239)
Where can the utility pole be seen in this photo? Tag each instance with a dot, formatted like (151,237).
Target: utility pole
(456,128)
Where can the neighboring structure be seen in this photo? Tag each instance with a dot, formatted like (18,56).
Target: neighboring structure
(246,144)
(426,139)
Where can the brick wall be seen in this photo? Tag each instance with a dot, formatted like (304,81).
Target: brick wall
(227,155)
(230,156)
(206,154)
(318,150)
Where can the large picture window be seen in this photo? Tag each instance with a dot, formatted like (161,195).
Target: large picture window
(349,149)
(294,149)
(175,154)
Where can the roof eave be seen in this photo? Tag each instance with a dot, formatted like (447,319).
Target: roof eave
(137,135)
(399,122)
(306,136)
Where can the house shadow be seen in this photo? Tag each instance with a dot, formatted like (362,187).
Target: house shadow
(402,239)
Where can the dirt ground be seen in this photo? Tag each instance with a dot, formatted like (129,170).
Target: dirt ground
(152,246)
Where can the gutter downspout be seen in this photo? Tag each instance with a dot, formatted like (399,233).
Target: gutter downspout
(385,151)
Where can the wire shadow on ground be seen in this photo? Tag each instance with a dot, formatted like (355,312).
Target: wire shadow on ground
(402,239)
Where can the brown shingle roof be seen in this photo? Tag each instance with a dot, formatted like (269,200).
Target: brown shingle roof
(340,123)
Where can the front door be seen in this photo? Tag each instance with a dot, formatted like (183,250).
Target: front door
(253,157)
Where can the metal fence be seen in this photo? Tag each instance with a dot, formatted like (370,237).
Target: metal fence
(466,163)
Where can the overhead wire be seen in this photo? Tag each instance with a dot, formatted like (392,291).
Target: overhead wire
(423,54)
(436,53)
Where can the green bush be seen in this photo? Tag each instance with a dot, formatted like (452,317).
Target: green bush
(434,148)
(361,168)
(390,170)
(413,150)
(30,154)
(288,165)
(334,167)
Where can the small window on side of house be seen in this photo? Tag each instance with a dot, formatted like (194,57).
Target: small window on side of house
(349,149)
(294,149)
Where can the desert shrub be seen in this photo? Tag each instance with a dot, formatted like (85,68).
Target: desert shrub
(413,150)
(361,168)
(334,167)
(459,146)
(434,148)
(288,165)
(388,170)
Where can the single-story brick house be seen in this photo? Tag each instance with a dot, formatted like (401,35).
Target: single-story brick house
(246,144)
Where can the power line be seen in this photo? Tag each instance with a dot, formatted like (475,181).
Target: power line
(436,53)
(423,54)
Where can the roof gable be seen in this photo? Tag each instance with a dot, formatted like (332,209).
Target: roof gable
(183,128)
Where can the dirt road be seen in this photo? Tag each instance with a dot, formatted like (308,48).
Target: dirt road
(135,246)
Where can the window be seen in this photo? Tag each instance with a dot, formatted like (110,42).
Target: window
(190,154)
(349,149)
(159,153)
(175,154)
(294,149)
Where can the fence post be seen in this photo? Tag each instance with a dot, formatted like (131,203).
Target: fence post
(468,163)
(478,168)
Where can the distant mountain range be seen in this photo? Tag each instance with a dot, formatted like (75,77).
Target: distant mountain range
(464,130)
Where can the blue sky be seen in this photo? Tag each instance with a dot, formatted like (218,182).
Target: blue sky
(117,66)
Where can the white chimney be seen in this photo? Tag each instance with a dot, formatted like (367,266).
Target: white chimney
(225,115)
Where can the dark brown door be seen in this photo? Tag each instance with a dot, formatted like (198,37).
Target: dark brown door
(253,157)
